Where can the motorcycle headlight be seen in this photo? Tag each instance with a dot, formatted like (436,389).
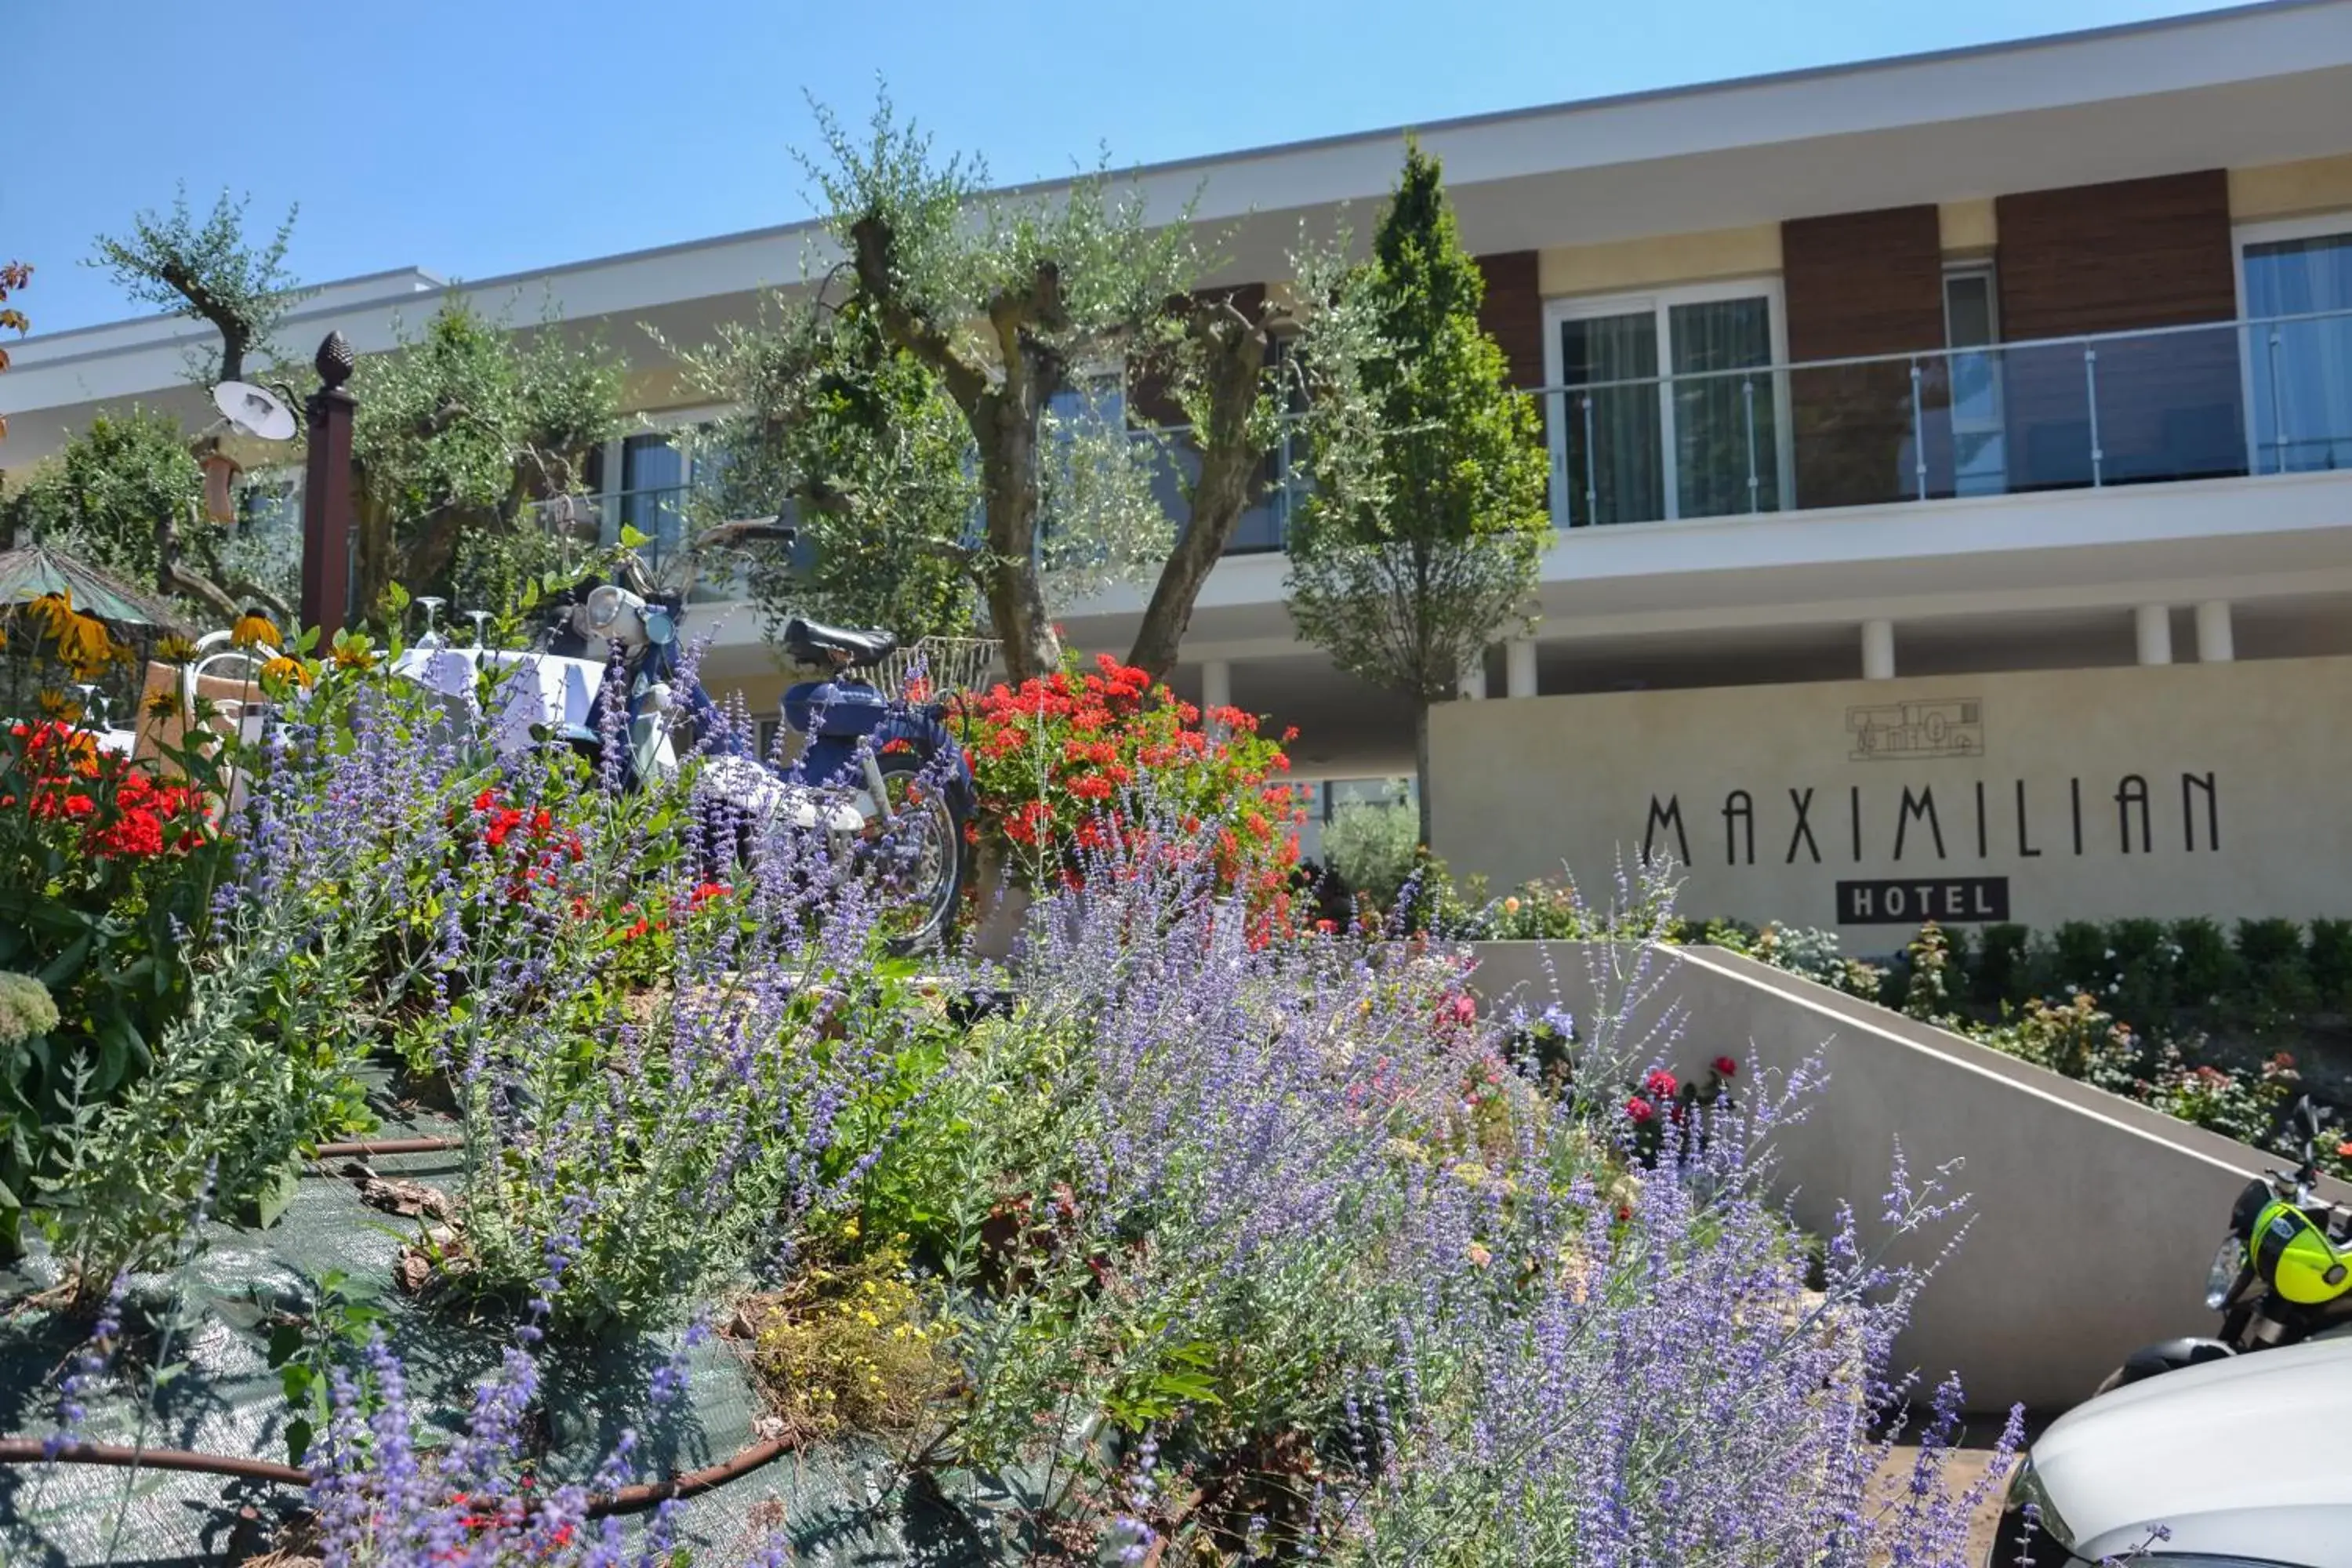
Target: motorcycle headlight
(603,607)
(2221,1279)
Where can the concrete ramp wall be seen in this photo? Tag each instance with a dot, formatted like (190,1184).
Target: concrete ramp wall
(2095,1218)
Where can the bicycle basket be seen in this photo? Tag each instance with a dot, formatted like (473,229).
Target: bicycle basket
(930,669)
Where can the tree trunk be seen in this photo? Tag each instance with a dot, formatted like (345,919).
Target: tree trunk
(1229,469)
(1421,767)
(1016,603)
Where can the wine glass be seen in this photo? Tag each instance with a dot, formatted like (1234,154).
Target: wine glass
(431,608)
(481,622)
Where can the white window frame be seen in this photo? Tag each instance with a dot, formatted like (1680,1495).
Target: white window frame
(1661,303)
(2318,225)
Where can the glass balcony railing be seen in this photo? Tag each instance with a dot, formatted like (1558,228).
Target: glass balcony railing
(2184,403)
(2206,401)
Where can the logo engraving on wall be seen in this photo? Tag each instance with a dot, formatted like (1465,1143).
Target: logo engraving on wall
(1902,731)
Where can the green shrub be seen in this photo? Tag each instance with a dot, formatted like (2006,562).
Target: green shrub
(2331,962)
(1371,846)
(2277,978)
(2143,970)
(2205,967)
(2002,968)
(2080,959)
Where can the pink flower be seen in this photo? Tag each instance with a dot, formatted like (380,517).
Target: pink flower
(1639,1110)
(1660,1084)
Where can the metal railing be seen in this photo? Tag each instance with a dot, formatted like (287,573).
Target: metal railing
(2200,401)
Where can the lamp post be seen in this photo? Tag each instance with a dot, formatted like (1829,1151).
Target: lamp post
(326,493)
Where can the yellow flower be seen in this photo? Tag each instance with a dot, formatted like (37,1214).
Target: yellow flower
(52,612)
(1511,905)
(252,630)
(161,706)
(173,648)
(84,646)
(58,706)
(286,670)
(353,651)
(849,1231)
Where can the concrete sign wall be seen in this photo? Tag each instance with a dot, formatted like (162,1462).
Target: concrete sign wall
(2170,791)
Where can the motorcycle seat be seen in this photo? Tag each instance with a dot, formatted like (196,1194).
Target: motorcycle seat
(807,640)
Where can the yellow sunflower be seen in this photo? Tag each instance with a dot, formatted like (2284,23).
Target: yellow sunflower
(254,628)
(286,670)
(173,648)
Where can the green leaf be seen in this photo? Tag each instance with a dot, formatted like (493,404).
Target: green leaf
(632,540)
(297,1440)
(285,1343)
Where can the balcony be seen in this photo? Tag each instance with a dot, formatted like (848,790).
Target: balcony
(2206,401)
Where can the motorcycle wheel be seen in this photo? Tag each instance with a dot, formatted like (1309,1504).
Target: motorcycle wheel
(922,857)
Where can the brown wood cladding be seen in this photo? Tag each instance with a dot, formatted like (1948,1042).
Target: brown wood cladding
(1513,312)
(1858,284)
(2115,257)
(1863,283)
(2121,257)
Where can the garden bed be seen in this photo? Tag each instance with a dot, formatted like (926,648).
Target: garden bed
(1198,1236)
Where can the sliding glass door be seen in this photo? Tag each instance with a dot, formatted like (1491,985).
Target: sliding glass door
(2299,358)
(1670,407)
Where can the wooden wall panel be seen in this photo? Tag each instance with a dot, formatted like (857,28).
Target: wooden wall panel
(2114,257)
(1859,284)
(2121,258)
(1513,313)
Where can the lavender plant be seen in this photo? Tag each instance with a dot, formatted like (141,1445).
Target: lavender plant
(1261,1248)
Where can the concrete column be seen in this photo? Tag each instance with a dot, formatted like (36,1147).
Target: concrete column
(1474,677)
(1519,668)
(1216,684)
(1878,650)
(2153,626)
(2216,643)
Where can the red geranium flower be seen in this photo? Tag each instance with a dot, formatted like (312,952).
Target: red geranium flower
(1729,1066)
(1660,1084)
(1639,1109)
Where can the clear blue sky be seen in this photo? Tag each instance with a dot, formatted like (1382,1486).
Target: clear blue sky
(494,136)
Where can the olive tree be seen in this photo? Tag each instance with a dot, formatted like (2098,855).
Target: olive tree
(210,272)
(921,398)
(1427,527)
(459,431)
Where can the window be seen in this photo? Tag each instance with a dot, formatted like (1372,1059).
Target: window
(1980,428)
(2296,281)
(1671,408)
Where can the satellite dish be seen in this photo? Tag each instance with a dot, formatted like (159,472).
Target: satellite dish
(255,412)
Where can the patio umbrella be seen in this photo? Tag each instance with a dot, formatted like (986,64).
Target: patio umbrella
(37,570)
